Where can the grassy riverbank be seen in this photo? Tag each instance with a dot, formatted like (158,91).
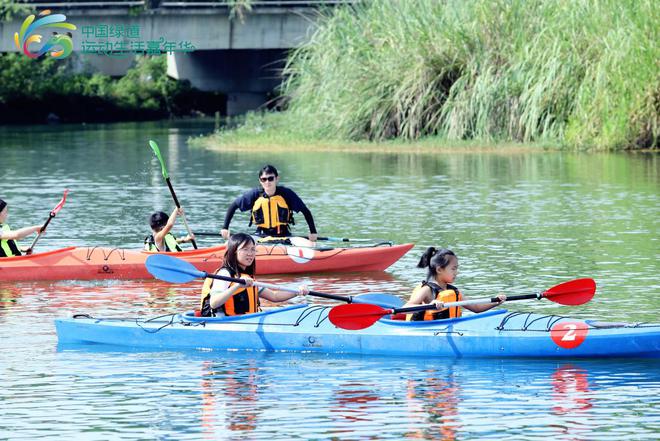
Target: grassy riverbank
(275,132)
(580,74)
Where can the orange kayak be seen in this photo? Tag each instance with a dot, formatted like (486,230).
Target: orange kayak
(87,263)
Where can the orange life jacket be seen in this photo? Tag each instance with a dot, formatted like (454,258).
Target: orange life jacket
(271,214)
(451,294)
(244,301)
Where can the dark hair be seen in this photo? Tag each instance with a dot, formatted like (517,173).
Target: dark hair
(231,254)
(435,259)
(3,204)
(267,170)
(158,220)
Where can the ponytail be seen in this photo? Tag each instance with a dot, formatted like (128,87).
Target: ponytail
(435,258)
(426,257)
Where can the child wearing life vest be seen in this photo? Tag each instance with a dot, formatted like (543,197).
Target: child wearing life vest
(437,288)
(8,238)
(229,298)
(161,239)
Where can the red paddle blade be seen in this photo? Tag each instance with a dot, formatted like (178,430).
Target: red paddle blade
(59,206)
(356,316)
(574,292)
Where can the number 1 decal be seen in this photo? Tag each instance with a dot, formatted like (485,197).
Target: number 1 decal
(569,335)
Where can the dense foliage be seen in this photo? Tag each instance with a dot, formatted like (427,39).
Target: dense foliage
(578,73)
(33,90)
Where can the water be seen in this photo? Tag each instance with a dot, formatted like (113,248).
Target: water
(519,223)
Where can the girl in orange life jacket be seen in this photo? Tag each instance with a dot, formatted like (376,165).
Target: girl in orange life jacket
(438,288)
(228,298)
(8,238)
(161,239)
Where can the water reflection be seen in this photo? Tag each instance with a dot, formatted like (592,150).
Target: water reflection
(571,400)
(570,387)
(150,298)
(247,395)
(238,389)
(9,296)
(436,397)
(353,401)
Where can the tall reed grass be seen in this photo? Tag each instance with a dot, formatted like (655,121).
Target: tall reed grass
(579,73)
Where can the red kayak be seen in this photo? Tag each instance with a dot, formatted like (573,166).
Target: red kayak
(87,263)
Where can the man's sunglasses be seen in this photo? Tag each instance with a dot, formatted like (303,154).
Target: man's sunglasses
(267,178)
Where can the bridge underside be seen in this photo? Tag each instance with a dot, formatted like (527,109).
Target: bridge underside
(249,77)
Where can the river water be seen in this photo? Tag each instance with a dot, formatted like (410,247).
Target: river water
(519,222)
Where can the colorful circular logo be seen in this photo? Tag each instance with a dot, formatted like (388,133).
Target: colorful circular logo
(58,46)
(569,335)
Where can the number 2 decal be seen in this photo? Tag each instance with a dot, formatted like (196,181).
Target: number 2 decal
(569,335)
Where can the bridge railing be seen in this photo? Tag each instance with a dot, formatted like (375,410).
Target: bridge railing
(153,4)
(79,4)
(255,3)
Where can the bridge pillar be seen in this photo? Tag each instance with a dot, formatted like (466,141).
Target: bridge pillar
(246,76)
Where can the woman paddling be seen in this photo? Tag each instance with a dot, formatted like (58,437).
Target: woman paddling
(442,270)
(228,298)
(8,238)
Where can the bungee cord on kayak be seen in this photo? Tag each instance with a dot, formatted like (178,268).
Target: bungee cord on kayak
(106,252)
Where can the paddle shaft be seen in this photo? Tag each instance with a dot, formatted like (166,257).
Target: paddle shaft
(41,230)
(51,215)
(183,215)
(348,299)
(323,238)
(346,239)
(463,303)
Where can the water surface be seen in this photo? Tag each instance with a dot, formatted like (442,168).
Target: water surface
(519,223)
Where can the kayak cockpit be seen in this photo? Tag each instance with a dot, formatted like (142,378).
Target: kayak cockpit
(189,316)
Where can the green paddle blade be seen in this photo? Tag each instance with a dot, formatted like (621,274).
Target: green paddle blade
(156,150)
(171,269)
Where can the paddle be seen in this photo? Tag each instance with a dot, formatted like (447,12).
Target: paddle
(354,317)
(323,238)
(51,215)
(174,270)
(156,150)
(346,239)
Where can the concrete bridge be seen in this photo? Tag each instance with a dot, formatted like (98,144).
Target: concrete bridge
(216,45)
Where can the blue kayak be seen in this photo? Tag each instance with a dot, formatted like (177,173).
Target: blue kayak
(306,328)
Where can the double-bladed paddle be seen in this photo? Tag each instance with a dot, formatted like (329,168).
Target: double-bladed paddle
(51,215)
(354,317)
(156,150)
(321,238)
(174,270)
